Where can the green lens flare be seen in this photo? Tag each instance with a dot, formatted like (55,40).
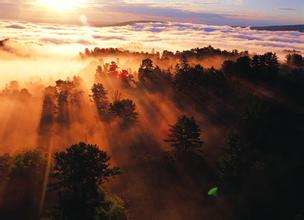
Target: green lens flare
(213,191)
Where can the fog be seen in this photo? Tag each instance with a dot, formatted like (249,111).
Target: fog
(46,103)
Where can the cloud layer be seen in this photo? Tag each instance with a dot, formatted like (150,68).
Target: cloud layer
(69,40)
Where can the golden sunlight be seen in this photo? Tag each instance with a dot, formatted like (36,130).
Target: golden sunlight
(60,5)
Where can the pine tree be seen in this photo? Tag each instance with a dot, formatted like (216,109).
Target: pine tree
(184,136)
(100,99)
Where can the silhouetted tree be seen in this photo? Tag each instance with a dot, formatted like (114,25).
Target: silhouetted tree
(295,59)
(5,164)
(5,168)
(265,67)
(78,174)
(100,99)
(215,78)
(261,162)
(76,93)
(146,70)
(24,95)
(184,136)
(243,66)
(188,78)
(184,64)
(152,77)
(49,109)
(124,109)
(64,94)
(99,74)
(294,84)
(13,91)
(231,166)
(228,68)
(25,175)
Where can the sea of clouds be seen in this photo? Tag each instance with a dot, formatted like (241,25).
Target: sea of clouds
(50,39)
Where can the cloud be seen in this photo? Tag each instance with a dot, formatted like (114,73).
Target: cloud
(60,41)
(70,40)
(15,26)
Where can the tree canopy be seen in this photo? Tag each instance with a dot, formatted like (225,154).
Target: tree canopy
(184,136)
(99,96)
(124,109)
(78,174)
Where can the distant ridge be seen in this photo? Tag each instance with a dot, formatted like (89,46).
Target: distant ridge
(2,42)
(129,23)
(299,27)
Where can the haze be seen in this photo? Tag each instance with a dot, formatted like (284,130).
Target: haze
(145,109)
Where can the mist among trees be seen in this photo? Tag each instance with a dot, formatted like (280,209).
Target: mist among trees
(149,140)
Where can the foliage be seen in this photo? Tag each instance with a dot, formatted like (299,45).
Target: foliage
(116,210)
(265,66)
(153,77)
(260,166)
(78,173)
(28,164)
(184,136)
(188,78)
(49,110)
(5,166)
(295,59)
(22,176)
(228,68)
(165,56)
(257,159)
(243,67)
(230,167)
(259,68)
(124,109)
(67,93)
(145,71)
(100,99)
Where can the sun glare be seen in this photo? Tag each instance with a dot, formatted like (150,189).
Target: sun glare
(60,5)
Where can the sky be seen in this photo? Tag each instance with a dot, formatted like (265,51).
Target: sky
(101,12)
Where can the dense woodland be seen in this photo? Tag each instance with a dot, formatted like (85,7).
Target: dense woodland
(175,129)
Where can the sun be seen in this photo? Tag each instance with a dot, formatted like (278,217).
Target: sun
(60,5)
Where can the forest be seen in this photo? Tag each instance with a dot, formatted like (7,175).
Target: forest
(137,135)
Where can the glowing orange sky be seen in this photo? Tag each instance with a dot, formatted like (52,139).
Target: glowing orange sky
(219,12)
